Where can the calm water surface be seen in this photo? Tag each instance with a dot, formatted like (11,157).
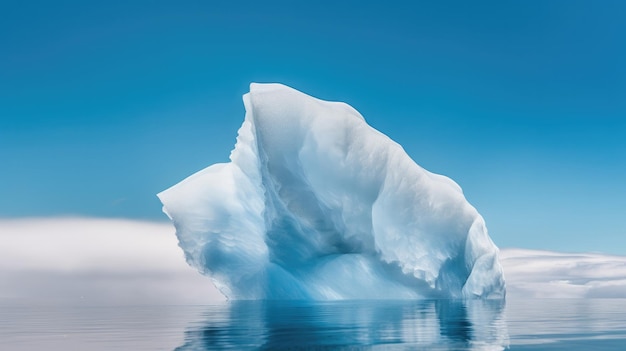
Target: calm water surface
(551,324)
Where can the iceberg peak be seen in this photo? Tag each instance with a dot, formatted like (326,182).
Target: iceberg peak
(316,204)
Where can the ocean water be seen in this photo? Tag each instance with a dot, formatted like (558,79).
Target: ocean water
(550,324)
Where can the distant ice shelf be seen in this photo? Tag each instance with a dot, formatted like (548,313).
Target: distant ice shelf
(316,204)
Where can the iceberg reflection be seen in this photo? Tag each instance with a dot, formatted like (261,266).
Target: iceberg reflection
(275,325)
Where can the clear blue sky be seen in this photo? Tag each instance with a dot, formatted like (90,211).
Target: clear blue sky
(104,104)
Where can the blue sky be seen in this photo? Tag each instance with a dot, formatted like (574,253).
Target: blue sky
(103,105)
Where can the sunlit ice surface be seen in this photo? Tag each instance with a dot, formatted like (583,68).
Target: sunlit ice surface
(318,205)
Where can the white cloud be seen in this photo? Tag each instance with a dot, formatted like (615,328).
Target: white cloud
(545,274)
(99,261)
(114,261)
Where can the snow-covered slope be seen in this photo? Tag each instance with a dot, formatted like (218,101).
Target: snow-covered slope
(316,204)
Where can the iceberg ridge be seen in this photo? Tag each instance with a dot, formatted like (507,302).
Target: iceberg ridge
(316,204)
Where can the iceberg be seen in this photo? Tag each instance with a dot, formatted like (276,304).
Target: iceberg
(315,204)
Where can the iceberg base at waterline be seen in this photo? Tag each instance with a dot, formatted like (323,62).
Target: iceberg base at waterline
(315,204)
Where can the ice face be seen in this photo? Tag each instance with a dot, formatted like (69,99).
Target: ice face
(316,204)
